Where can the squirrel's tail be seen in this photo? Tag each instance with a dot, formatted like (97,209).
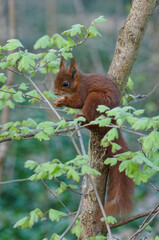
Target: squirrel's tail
(120,193)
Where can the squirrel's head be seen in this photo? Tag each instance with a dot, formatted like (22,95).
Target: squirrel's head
(65,81)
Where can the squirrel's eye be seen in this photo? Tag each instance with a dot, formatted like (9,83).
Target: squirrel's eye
(65,84)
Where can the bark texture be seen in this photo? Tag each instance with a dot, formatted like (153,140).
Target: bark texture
(97,154)
(129,40)
(127,47)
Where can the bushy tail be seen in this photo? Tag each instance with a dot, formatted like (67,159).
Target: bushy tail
(120,193)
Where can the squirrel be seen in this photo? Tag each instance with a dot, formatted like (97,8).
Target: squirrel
(86,92)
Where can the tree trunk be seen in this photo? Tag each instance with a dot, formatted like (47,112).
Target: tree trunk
(127,47)
(10,79)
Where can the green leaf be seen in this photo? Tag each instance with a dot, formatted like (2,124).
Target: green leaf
(151,141)
(112,134)
(50,56)
(109,219)
(59,41)
(30,164)
(74,174)
(139,112)
(115,147)
(111,161)
(55,236)
(3,78)
(23,223)
(23,86)
(90,171)
(140,124)
(42,136)
(14,57)
(100,19)
(12,44)
(10,104)
(25,130)
(76,29)
(148,229)
(33,218)
(42,42)
(77,230)
(26,63)
(55,215)
(130,84)
(4,65)
(67,55)
(93,31)
(18,97)
(29,123)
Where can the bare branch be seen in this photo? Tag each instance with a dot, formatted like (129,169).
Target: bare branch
(133,218)
(15,180)
(101,207)
(79,208)
(144,225)
(54,195)
(153,186)
(38,90)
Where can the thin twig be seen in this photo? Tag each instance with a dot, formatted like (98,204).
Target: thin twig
(15,180)
(101,207)
(38,90)
(149,215)
(132,218)
(75,145)
(69,188)
(145,225)
(81,141)
(79,208)
(153,186)
(55,195)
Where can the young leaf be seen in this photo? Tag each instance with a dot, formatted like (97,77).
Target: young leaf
(130,84)
(74,174)
(90,171)
(109,219)
(14,57)
(23,86)
(150,141)
(42,136)
(42,42)
(18,97)
(55,215)
(77,230)
(10,104)
(26,63)
(12,44)
(100,19)
(30,164)
(93,31)
(76,29)
(23,223)
(111,161)
(3,78)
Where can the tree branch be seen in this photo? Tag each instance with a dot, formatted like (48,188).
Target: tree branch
(133,218)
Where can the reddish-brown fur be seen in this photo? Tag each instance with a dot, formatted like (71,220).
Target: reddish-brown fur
(86,92)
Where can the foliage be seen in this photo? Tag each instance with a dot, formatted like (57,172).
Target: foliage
(140,165)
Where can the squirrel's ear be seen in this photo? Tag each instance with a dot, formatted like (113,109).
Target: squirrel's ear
(73,67)
(62,63)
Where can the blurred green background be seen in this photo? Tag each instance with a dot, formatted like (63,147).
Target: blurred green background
(27,21)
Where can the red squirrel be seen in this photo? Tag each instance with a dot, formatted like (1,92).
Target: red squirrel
(86,92)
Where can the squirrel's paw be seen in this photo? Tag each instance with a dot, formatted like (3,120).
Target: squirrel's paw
(59,102)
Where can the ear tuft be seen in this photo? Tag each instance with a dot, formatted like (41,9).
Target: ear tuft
(73,67)
(62,63)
